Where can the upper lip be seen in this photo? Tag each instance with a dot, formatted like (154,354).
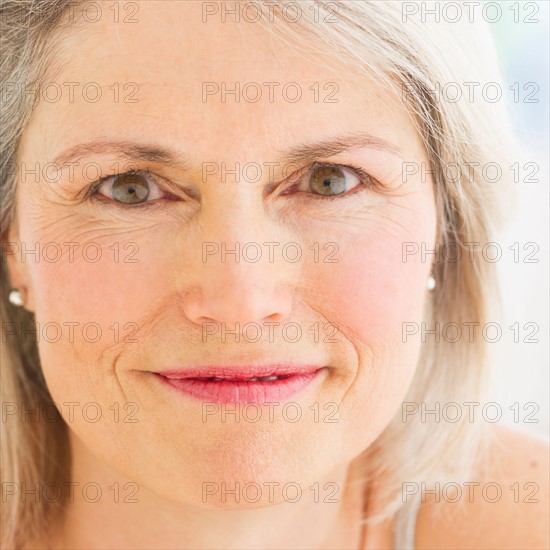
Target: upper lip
(240,372)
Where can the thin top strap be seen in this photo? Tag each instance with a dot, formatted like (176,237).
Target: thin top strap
(405,525)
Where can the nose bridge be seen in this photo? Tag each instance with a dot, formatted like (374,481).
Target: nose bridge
(234,225)
(242,275)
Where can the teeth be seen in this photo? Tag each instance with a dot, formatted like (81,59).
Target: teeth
(255,379)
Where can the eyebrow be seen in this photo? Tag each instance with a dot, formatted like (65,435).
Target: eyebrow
(126,150)
(132,151)
(334,146)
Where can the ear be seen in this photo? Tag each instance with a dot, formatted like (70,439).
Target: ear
(18,271)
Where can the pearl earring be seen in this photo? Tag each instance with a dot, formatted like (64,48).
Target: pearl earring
(431,283)
(16,298)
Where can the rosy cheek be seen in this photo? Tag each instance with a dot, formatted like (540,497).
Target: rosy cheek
(111,298)
(371,292)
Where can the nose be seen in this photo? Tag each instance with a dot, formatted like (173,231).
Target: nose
(239,293)
(241,279)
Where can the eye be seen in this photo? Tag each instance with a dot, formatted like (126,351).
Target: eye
(332,180)
(129,188)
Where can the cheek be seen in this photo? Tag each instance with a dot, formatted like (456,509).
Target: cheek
(371,291)
(369,294)
(89,307)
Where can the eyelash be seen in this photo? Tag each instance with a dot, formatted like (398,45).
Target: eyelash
(366,182)
(92,192)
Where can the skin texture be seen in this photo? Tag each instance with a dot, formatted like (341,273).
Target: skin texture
(518,519)
(171,451)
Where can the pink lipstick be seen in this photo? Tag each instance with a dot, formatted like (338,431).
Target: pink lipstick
(238,384)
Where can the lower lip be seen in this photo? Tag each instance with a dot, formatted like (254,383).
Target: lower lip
(241,391)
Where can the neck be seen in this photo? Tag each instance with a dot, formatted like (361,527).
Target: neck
(327,515)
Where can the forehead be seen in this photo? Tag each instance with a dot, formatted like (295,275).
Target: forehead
(208,85)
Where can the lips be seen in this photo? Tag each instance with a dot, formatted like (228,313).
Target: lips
(265,384)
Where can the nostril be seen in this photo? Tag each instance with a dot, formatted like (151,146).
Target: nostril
(202,320)
(216,303)
(274,318)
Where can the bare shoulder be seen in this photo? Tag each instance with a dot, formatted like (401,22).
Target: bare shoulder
(504,507)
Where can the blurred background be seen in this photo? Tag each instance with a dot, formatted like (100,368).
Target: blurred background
(521,369)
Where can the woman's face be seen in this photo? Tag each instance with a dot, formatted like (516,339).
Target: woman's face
(224,171)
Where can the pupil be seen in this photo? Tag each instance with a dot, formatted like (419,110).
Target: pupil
(130,189)
(328,180)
